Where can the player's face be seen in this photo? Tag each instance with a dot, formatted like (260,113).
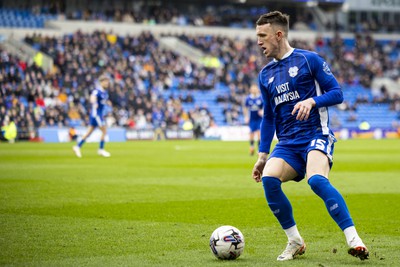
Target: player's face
(254,90)
(267,39)
(105,83)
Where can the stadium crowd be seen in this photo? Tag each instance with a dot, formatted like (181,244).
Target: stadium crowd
(142,72)
(139,70)
(199,14)
(156,13)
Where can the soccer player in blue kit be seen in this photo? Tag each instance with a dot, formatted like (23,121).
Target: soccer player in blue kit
(254,108)
(98,99)
(297,86)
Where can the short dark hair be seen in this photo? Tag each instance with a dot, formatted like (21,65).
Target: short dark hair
(275,18)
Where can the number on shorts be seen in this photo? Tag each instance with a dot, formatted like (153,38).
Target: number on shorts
(319,144)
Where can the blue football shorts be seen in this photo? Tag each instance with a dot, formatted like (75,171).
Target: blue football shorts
(255,125)
(96,121)
(296,154)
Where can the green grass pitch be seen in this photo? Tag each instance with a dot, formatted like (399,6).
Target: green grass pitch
(157,203)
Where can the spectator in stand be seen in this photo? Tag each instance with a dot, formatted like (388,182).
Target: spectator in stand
(9,129)
(72,134)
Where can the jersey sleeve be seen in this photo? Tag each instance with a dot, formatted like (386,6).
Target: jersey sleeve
(95,93)
(94,111)
(331,93)
(247,104)
(267,122)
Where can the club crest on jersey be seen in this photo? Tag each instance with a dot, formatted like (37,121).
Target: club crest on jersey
(293,71)
(326,68)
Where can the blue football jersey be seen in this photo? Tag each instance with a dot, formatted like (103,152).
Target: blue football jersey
(158,117)
(254,104)
(102,97)
(299,75)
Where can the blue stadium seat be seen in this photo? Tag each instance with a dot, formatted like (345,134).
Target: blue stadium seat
(22,18)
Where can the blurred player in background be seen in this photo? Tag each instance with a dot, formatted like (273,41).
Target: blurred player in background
(98,99)
(297,86)
(253,111)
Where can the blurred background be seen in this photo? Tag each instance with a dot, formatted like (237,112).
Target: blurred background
(182,70)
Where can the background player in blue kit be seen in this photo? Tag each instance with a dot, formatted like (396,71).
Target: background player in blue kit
(297,86)
(254,108)
(98,99)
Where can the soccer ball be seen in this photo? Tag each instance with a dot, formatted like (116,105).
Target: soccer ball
(227,242)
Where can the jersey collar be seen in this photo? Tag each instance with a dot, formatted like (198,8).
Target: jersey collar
(99,87)
(285,55)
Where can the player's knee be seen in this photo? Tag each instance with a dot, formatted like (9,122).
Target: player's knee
(272,186)
(317,182)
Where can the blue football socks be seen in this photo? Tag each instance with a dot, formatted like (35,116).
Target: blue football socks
(278,202)
(102,144)
(80,144)
(334,201)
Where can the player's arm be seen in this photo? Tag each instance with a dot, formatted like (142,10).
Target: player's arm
(332,93)
(267,123)
(94,104)
(267,134)
(246,112)
(261,110)
(93,99)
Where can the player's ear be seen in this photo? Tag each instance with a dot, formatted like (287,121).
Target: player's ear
(279,35)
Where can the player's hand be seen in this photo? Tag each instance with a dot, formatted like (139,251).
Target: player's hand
(258,169)
(303,109)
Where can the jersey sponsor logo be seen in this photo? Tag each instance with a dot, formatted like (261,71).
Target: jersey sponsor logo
(285,94)
(254,107)
(284,87)
(286,97)
(326,68)
(293,71)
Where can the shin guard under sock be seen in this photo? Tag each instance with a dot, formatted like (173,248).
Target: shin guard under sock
(278,202)
(334,201)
